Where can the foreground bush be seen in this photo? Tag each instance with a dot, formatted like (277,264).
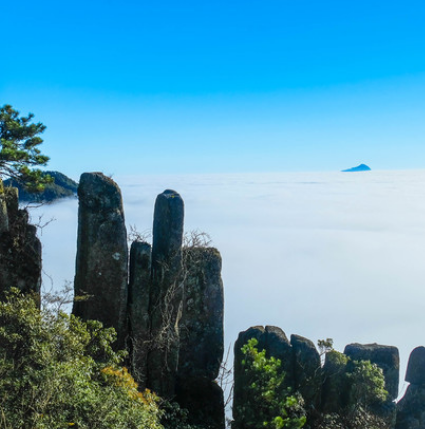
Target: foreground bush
(58,372)
(269,404)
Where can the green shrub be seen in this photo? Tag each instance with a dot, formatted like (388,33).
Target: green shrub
(270,405)
(57,372)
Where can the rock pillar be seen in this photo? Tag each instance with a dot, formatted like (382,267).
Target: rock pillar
(102,255)
(138,306)
(166,296)
(202,338)
(411,408)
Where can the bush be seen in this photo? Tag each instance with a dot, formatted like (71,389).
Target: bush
(57,371)
(270,405)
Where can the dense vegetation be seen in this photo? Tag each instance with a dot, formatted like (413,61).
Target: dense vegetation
(271,405)
(57,371)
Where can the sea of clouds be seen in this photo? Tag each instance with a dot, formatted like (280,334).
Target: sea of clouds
(339,255)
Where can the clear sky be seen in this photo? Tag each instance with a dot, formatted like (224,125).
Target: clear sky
(219,86)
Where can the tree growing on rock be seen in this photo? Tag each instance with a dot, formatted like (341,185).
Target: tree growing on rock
(19,148)
(270,405)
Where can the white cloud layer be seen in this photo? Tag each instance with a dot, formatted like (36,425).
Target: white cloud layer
(337,255)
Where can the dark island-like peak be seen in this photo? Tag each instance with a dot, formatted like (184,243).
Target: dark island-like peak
(361,167)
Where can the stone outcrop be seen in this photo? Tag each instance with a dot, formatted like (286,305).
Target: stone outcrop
(325,390)
(411,408)
(307,370)
(20,249)
(166,295)
(274,341)
(101,274)
(201,337)
(139,290)
(386,357)
(175,339)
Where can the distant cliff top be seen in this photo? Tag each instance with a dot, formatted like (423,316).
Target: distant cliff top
(62,187)
(361,167)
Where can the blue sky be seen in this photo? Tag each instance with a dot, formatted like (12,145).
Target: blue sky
(235,86)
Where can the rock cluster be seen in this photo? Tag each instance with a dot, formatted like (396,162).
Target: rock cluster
(20,249)
(167,306)
(324,389)
(300,362)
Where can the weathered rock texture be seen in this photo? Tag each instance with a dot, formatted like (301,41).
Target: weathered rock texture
(326,389)
(411,408)
(166,295)
(20,249)
(102,255)
(201,337)
(307,370)
(138,308)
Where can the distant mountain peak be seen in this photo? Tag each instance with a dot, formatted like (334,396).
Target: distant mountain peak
(361,167)
(62,187)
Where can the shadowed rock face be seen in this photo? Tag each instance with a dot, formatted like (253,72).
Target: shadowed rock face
(411,408)
(102,254)
(335,387)
(201,325)
(20,249)
(415,373)
(386,357)
(201,337)
(307,370)
(138,307)
(166,296)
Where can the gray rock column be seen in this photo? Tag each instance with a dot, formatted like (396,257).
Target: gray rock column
(102,255)
(411,408)
(201,338)
(138,301)
(167,292)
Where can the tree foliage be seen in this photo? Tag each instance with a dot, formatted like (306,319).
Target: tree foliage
(360,386)
(19,148)
(270,405)
(57,371)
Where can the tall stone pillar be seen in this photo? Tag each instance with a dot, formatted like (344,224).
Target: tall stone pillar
(202,338)
(166,293)
(102,255)
(138,304)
